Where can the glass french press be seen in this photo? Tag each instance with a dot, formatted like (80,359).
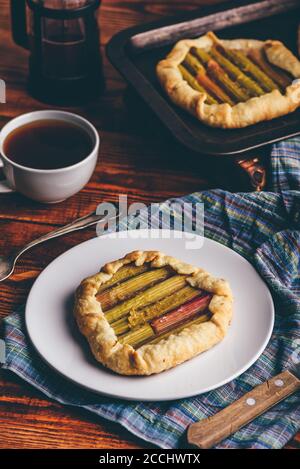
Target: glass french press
(63,38)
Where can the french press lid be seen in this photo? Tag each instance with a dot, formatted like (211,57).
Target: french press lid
(63,9)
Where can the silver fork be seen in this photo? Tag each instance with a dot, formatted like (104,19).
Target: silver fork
(7,264)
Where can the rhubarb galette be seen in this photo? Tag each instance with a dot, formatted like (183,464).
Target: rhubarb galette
(148,312)
(231,83)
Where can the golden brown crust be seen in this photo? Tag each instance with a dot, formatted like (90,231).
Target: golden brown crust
(256,109)
(167,353)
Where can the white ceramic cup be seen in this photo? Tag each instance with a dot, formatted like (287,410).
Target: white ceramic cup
(48,185)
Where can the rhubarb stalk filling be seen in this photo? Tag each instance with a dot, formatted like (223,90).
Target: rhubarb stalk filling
(145,305)
(230,75)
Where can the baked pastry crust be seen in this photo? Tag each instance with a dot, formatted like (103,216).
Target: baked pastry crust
(256,109)
(168,352)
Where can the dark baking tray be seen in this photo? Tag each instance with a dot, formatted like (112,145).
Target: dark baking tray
(136,51)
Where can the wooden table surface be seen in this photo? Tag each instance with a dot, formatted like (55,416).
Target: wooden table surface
(135,159)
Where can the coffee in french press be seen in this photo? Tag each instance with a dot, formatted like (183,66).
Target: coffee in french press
(65,64)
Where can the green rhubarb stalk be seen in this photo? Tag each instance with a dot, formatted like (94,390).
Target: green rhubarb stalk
(124,273)
(193,63)
(138,336)
(201,55)
(121,326)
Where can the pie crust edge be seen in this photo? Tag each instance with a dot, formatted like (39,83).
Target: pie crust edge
(169,352)
(256,109)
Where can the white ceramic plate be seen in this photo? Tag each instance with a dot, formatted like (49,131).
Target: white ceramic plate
(52,329)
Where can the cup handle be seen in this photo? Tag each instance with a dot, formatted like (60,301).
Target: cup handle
(4,185)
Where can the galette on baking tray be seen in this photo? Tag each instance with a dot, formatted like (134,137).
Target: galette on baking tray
(231,83)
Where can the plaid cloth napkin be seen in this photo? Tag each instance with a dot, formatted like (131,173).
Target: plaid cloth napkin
(265,229)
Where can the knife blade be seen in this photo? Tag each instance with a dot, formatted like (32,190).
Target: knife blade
(212,430)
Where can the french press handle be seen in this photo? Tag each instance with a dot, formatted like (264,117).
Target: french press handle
(18,22)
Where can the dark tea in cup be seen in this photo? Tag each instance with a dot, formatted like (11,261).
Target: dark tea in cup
(48,155)
(48,144)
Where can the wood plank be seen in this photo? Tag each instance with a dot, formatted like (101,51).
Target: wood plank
(32,421)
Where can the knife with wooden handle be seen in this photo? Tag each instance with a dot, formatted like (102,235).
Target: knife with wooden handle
(210,431)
